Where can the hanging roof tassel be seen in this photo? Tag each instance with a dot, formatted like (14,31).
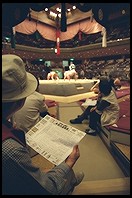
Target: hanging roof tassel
(104,40)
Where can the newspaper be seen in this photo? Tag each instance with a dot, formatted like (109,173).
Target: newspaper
(53,139)
(89,102)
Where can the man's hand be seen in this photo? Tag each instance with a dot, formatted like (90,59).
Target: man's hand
(73,157)
(93,108)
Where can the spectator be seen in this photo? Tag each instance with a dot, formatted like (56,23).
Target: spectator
(19,176)
(32,111)
(82,74)
(105,112)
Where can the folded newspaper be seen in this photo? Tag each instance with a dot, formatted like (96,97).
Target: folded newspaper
(53,139)
(89,102)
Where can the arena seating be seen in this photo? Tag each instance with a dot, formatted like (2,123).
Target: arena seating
(120,132)
(122,92)
(117,137)
(121,153)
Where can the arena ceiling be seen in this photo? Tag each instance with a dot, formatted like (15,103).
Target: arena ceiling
(14,13)
(74,12)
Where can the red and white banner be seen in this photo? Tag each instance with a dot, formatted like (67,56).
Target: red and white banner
(58,41)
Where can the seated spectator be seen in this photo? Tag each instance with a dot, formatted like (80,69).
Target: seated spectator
(82,74)
(105,112)
(19,175)
(32,111)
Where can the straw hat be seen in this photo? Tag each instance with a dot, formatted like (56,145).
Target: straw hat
(16,82)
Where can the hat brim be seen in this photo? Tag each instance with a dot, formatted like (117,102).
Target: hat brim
(29,89)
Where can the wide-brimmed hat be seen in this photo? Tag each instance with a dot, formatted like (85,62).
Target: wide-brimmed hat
(16,82)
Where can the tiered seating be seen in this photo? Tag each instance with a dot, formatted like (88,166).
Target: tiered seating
(120,132)
(122,92)
(121,152)
(117,137)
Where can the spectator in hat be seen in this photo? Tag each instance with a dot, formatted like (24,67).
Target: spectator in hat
(19,175)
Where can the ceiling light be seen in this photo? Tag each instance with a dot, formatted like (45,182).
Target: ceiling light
(46,9)
(123,11)
(74,7)
(59,15)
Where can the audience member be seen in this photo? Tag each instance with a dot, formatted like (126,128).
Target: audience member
(105,112)
(19,175)
(82,74)
(32,111)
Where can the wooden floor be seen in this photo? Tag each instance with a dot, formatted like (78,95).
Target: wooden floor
(119,186)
